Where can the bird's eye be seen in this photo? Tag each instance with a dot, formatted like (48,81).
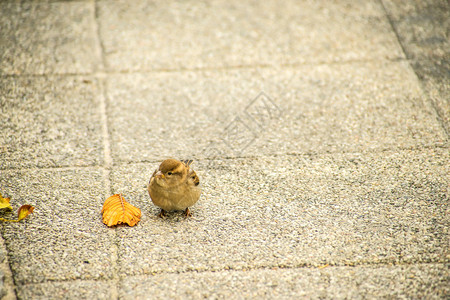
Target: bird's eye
(169,173)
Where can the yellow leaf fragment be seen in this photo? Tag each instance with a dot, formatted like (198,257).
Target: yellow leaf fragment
(24,211)
(4,203)
(116,210)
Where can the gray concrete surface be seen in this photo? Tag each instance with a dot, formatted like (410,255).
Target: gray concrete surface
(422,28)
(319,131)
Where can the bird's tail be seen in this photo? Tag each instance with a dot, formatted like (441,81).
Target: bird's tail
(187,162)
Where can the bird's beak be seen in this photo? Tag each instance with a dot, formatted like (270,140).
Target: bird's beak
(159,174)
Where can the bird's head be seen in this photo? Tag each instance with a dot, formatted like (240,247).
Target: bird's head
(171,173)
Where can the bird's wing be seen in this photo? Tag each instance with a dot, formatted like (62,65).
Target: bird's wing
(193,176)
(153,175)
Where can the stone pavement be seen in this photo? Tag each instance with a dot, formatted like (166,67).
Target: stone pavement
(319,129)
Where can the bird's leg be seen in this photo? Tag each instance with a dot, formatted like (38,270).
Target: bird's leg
(187,212)
(162,214)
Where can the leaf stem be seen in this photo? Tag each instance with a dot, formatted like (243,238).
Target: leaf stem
(6,220)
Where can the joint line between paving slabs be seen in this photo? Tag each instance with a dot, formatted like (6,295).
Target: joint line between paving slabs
(100,46)
(257,268)
(105,131)
(439,118)
(429,101)
(107,158)
(9,282)
(302,266)
(394,29)
(308,153)
(107,164)
(104,73)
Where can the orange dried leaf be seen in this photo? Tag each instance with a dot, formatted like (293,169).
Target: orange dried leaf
(4,203)
(24,211)
(116,210)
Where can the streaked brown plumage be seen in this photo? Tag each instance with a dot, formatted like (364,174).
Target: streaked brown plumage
(174,186)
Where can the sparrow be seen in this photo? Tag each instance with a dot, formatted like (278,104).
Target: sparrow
(174,186)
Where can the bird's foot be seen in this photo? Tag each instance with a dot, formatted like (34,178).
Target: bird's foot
(162,214)
(187,213)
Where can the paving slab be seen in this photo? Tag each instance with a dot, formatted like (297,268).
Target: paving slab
(77,289)
(290,211)
(50,122)
(363,282)
(340,107)
(180,35)
(42,38)
(64,239)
